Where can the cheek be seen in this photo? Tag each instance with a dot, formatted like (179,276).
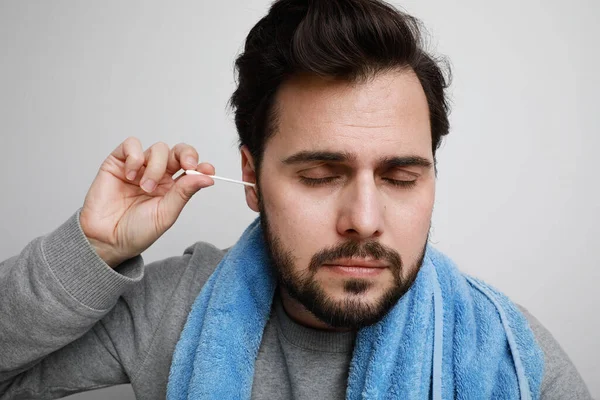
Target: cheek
(302,222)
(414,214)
(408,219)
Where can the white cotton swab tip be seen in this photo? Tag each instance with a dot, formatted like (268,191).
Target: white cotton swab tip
(193,172)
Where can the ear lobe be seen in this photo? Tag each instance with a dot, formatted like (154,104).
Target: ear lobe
(249,175)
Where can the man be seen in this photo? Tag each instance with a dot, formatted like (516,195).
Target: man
(333,292)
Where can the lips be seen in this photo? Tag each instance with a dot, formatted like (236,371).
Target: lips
(356,263)
(356,267)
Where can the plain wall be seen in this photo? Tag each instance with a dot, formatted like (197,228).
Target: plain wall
(517,197)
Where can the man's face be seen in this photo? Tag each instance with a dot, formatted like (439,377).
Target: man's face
(347,188)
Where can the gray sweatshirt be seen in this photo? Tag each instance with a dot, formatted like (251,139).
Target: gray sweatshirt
(69,323)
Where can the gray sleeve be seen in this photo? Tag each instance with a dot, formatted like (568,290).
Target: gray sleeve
(561,379)
(52,296)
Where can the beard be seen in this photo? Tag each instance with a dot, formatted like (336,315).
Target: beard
(351,312)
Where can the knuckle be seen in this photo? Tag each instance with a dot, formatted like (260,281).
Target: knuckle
(183,195)
(155,169)
(161,146)
(131,140)
(185,149)
(135,159)
(192,151)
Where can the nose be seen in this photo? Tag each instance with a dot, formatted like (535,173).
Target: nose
(361,211)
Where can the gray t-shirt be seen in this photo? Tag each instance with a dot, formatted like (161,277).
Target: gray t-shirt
(70,323)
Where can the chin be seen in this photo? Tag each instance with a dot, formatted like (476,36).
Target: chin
(354,305)
(371,296)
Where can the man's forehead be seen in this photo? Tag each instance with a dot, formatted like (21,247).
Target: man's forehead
(321,95)
(388,109)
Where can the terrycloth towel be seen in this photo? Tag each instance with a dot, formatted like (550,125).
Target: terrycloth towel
(449,337)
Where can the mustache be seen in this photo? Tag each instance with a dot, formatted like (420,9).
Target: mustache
(354,249)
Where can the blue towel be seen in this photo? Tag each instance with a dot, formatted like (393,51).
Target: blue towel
(449,337)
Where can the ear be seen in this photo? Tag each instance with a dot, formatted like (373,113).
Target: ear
(249,175)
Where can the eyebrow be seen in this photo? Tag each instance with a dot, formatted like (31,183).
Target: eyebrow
(340,157)
(407,161)
(312,156)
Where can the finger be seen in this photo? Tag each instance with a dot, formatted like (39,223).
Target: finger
(156,165)
(206,168)
(125,148)
(181,192)
(182,156)
(130,151)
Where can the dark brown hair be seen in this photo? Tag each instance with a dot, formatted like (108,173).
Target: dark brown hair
(346,39)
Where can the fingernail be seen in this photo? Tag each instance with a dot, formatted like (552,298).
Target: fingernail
(191,161)
(149,185)
(131,175)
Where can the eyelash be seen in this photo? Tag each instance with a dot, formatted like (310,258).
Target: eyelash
(330,179)
(317,181)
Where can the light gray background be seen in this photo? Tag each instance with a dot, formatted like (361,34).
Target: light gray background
(518,193)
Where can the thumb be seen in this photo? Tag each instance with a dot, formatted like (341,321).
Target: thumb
(180,193)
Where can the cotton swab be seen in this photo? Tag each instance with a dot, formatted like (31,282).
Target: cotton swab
(193,172)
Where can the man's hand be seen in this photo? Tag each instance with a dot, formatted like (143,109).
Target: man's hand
(134,199)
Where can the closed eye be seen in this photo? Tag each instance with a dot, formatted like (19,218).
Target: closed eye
(400,183)
(318,181)
(332,179)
